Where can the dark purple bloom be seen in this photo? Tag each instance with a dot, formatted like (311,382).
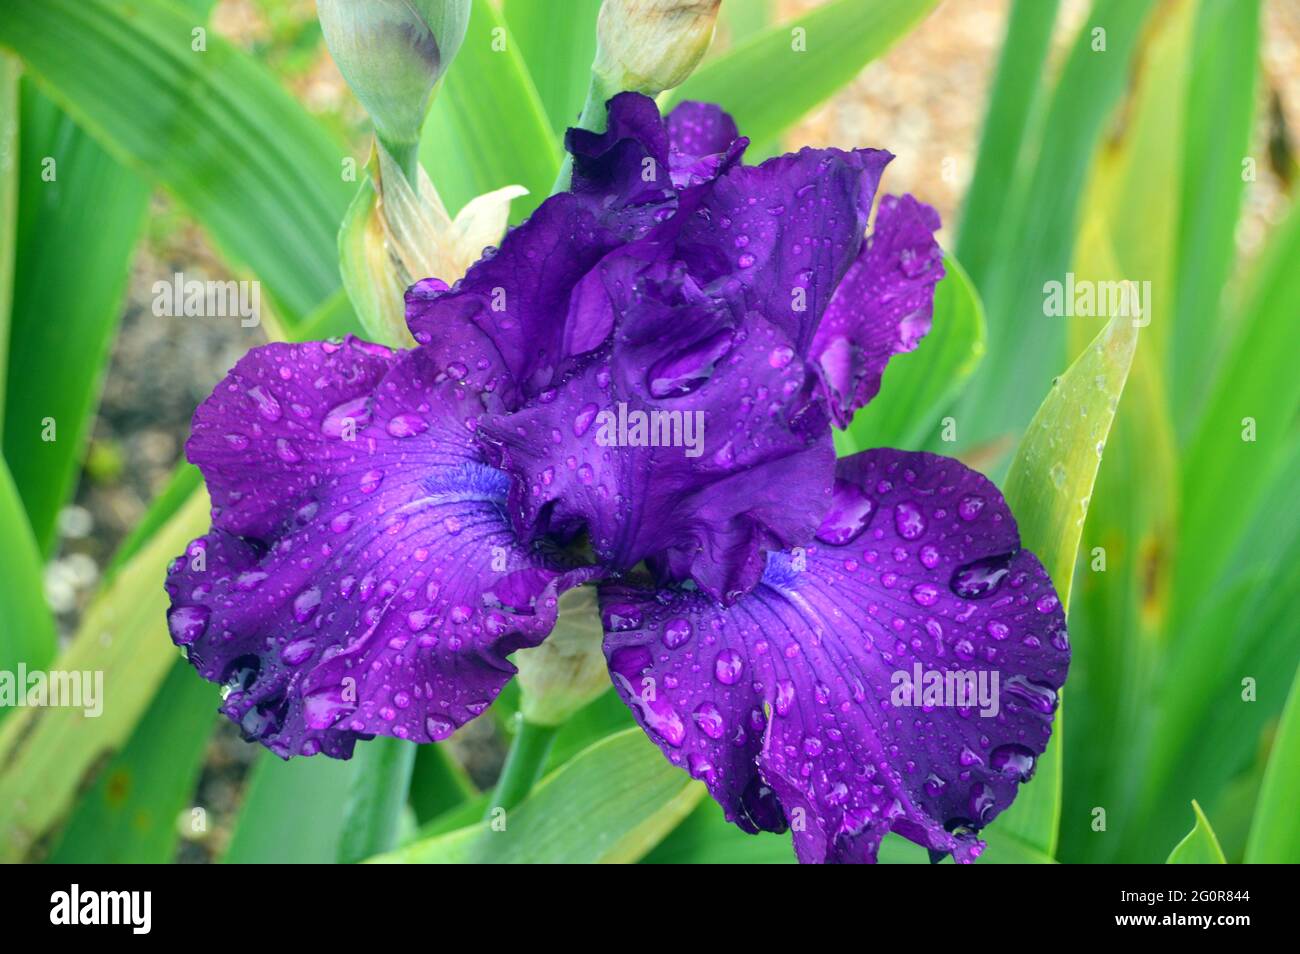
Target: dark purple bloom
(636,390)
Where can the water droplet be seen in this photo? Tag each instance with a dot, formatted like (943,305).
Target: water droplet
(286,451)
(187,623)
(849,515)
(582,423)
(438,727)
(908,520)
(983,804)
(1040,697)
(249,581)
(981,578)
(621,617)
(970,507)
(266,404)
(728,667)
(418,620)
(785,694)
(689,369)
(630,664)
(407,425)
(676,633)
(336,422)
(1014,761)
(324,707)
(925,594)
(709,719)
(306,603)
(297,652)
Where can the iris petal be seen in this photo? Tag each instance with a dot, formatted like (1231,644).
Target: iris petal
(694,441)
(796,705)
(376,587)
(882,307)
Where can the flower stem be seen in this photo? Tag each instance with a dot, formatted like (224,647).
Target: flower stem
(593,118)
(524,764)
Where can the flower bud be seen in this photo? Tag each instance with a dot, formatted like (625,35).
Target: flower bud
(651,45)
(392,53)
(568,670)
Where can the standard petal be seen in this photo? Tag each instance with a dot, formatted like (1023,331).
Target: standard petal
(817,702)
(513,321)
(695,442)
(627,163)
(376,587)
(524,313)
(882,307)
(703,141)
(786,230)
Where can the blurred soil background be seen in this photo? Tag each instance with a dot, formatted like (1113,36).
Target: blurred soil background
(924,101)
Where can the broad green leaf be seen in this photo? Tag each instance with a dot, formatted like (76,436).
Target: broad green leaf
(83,192)
(1222,91)
(293,811)
(1036,226)
(47,753)
(557,51)
(1050,482)
(1200,717)
(335,317)
(705,837)
(1130,232)
(1218,700)
(1200,847)
(1249,416)
(744,18)
(1048,488)
(612,803)
(917,387)
(814,55)
(10,73)
(603,716)
(132,813)
(58,362)
(489,109)
(376,798)
(438,784)
(1275,832)
(27,633)
(1017,92)
(213,126)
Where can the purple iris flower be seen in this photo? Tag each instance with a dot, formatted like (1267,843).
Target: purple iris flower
(636,391)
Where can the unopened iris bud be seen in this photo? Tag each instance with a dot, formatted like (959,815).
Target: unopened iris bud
(568,670)
(651,45)
(392,53)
